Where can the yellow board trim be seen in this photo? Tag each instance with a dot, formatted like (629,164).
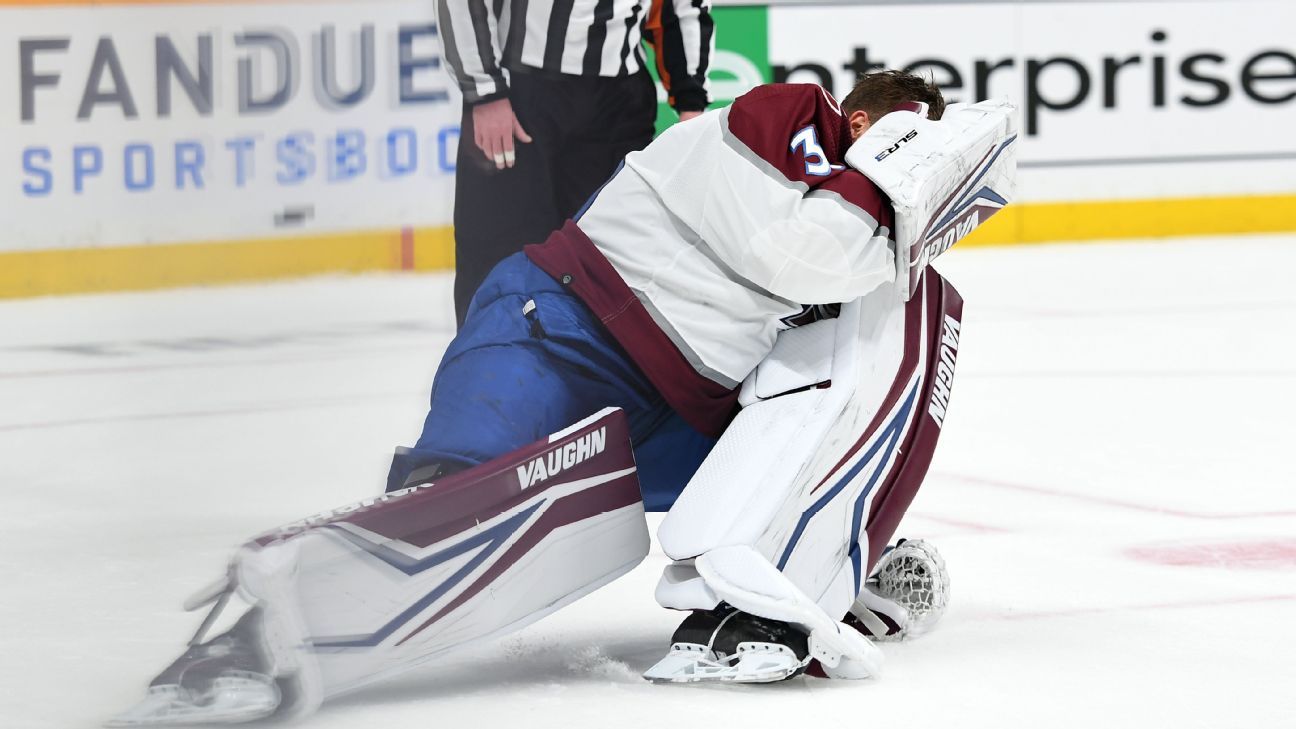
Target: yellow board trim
(1126,219)
(135,268)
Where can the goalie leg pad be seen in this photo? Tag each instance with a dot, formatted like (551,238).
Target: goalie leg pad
(815,480)
(371,589)
(480,553)
(744,578)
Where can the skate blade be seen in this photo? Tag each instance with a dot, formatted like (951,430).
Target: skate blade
(754,663)
(233,699)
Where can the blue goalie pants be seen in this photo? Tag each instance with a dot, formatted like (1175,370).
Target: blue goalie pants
(530,360)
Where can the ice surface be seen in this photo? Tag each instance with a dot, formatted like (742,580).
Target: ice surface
(1115,495)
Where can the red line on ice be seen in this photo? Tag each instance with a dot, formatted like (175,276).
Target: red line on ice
(278,407)
(1117,503)
(320,357)
(1134,608)
(1106,374)
(407,249)
(995,314)
(971,526)
(1256,554)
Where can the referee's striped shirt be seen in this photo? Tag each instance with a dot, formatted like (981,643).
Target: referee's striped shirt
(484,38)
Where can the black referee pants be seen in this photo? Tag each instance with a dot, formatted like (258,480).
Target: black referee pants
(581,128)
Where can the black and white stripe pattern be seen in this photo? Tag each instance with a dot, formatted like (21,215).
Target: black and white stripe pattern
(483,39)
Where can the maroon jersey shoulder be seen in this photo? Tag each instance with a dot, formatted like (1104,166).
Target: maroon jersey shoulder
(800,131)
(767,118)
(854,188)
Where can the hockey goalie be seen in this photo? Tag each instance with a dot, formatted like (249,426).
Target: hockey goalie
(742,329)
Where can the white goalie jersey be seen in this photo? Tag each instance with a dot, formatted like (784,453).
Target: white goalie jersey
(715,238)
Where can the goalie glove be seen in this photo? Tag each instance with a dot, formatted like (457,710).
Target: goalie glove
(944,178)
(905,596)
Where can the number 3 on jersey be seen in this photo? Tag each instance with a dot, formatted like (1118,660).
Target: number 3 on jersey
(816,161)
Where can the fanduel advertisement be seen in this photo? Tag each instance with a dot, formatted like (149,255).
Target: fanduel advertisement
(138,124)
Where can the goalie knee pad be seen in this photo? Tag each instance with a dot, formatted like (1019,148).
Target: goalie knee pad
(411,467)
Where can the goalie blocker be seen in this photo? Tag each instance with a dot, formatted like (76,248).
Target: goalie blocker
(346,598)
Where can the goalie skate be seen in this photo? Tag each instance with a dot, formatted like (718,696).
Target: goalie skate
(728,646)
(253,670)
(234,698)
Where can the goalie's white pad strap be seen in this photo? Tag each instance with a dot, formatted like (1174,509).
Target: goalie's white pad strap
(744,578)
(802,358)
(944,178)
(384,585)
(682,588)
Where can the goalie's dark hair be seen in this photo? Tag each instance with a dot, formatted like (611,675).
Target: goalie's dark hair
(879,93)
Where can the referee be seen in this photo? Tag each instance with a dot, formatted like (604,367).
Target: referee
(555,94)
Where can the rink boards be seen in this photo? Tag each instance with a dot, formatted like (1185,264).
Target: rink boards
(161,144)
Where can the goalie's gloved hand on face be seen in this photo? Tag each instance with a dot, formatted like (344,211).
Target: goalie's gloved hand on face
(905,596)
(728,645)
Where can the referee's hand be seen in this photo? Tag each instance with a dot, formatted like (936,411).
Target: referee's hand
(494,128)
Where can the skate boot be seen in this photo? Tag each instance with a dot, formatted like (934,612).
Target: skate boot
(251,669)
(906,595)
(728,645)
(227,679)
